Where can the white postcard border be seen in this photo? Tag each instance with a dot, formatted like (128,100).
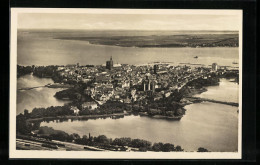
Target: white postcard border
(13,153)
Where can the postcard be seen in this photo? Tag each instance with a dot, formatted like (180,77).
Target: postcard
(125,83)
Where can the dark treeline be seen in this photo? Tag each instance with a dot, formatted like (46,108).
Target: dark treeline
(76,93)
(52,111)
(23,70)
(47,71)
(110,107)
(39,71)
(200,83)
(233,74)
(70,93)
(230,75)
(102,141)
(165,107)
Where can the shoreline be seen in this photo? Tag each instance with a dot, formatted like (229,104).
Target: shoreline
(77,117)
(143,46)
(112,116)
(186,100)
(160,116)
(118,115)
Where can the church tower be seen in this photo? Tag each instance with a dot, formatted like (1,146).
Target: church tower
(109,64)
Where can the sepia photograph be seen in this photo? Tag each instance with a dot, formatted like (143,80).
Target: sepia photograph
(125,83)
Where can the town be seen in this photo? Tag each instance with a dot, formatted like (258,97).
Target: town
(94,86)
(157,90)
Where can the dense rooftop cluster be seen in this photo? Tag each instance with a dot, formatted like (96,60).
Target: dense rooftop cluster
(127,83)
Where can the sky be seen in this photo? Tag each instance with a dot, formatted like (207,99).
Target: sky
(94,21)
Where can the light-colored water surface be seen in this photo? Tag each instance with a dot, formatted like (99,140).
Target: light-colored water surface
(39,47)
(226,91)
(38,97)
(209,125)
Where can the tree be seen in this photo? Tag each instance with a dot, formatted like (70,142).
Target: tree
(137,143)
(122,141)
(62,136)
(74,136)
(169,113)
(22,126)
(157,147)
(167,147)
(143,149)
(202,150)
(178,148)
(26,112)
(101,139)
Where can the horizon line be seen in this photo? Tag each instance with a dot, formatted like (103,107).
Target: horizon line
(122,29)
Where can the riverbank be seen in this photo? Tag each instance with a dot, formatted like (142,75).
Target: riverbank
(161,116)
(58,85)
(115,115)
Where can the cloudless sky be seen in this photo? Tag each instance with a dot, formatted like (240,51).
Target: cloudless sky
(93,21)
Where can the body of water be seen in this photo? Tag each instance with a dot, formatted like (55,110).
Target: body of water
(38,97)
(209,125)
(226,91)
(37,48)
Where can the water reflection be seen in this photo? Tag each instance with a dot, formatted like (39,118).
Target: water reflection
(209,125)
(38,97)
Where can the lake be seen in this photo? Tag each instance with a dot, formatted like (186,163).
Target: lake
(225,91)
(37,48)
(38,97)
(209,125)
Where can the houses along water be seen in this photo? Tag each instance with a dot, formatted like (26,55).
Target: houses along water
(209,125)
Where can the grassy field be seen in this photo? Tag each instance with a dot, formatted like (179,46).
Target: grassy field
(191,40)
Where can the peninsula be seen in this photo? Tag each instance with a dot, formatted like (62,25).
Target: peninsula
(186,40)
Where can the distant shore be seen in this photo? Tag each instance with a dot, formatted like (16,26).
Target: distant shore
(162,41)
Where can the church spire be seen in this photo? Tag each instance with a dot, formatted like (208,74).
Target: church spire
(111,58)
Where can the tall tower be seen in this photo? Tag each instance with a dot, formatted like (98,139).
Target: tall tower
(111,61)
(109,64)
(155,68)
(214,67)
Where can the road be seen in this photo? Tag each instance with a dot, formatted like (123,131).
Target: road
(32,145)
(29,88)
(20,143)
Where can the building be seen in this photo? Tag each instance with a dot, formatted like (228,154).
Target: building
(148,85)
(75,110)
(155,69)
(109,64)
(89,105)
(214,67)
(89,91)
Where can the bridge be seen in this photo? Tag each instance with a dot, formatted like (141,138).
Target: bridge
(194,99)
(53,85)
(29,88)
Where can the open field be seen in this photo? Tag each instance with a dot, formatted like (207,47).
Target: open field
(187,40)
